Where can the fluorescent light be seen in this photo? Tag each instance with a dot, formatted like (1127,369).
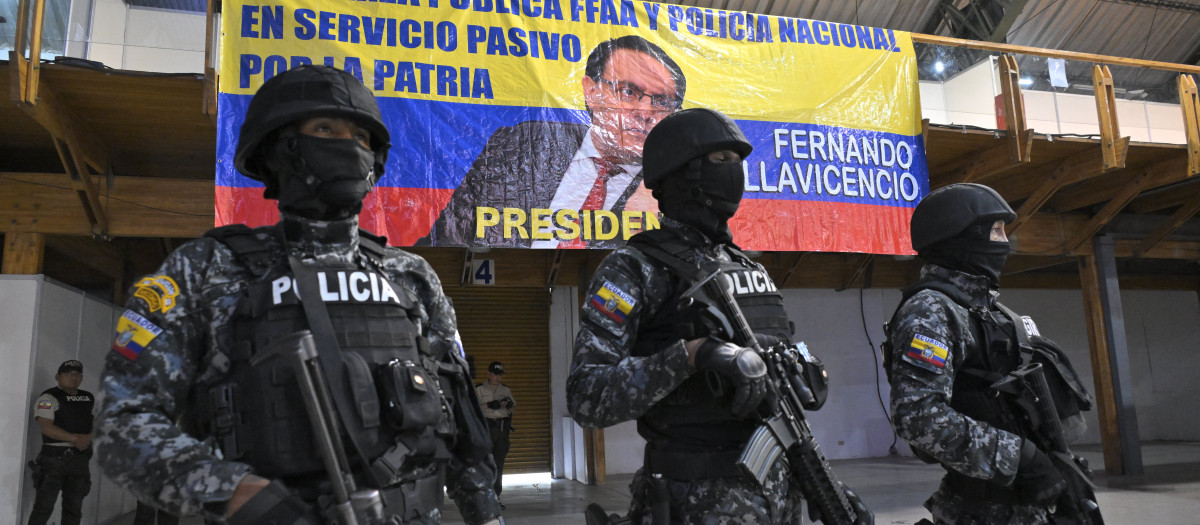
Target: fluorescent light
(1026,81)
(939,66)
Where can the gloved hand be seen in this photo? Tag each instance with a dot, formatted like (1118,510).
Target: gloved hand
(507,402)
(275,505)
(494,404)
(1038,481)
(741,366)
(865,516)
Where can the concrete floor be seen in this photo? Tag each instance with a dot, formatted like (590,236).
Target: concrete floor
(894,487)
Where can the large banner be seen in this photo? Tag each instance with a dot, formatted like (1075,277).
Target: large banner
(520,123)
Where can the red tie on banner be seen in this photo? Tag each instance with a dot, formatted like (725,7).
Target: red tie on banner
(605,169)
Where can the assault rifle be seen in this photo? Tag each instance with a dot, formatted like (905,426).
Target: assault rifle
(1030,394)
(785,431)
(351,506)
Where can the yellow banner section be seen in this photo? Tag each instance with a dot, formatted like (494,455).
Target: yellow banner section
(531,53)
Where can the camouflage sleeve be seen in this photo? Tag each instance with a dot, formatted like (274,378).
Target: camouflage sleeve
(468,484)
(607,385)
(148,377)
(928,343)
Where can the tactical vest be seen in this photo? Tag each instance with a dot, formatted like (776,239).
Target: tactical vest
(401,419)
(1006,346)
(691,415)
(74,412)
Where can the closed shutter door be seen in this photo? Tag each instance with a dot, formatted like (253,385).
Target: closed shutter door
(512,325)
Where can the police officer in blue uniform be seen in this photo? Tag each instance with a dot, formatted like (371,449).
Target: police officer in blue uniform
(210,340)
(64,414)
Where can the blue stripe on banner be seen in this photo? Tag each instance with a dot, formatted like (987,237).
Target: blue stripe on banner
(434,144)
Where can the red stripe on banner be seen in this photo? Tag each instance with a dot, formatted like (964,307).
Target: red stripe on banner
(244,206)
(402,214)
(784,225)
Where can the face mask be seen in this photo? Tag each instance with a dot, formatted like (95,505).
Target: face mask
(704,195)
(320,178)
(974,256)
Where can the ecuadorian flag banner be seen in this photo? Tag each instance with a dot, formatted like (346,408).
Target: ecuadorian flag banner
(520,123)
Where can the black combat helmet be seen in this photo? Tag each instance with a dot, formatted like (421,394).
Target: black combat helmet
(683,136)
(946,212)
(305,92)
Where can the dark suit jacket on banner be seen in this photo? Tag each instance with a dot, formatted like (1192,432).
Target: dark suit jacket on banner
(520,167)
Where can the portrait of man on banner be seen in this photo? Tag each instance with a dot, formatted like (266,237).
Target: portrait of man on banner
(571,172)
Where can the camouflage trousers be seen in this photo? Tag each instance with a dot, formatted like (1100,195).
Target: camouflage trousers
(950,508)
(723,501)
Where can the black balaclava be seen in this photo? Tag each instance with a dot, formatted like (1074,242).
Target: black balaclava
(320,178)
(704,195)
(970,251)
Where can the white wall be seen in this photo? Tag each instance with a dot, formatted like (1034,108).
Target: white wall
(1163,331)
(45,323)
(146,39)
(969,99)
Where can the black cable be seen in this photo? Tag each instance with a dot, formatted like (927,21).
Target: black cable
(1081,24)
(1149,31)
(862,311)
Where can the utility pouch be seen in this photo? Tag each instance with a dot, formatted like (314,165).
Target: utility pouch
(411,398)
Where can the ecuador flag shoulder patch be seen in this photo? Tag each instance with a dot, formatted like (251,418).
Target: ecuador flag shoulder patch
(927,352)
(613,301)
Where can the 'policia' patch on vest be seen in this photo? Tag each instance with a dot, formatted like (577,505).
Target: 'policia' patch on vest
(742,282)
(159,292)
(134,334)
(613,301)
(927,353)
(339,286)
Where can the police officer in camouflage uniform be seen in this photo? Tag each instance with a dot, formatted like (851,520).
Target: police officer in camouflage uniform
(638,357)
(208,341)
(943,356)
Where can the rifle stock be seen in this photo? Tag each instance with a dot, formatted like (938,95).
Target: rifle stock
(350,506)
(785,432)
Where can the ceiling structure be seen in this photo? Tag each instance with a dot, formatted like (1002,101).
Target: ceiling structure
(115,167)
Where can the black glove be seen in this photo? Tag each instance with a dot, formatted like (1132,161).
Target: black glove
(507,402)
(275,505)
(494,404)
(865,516)
(1038,481)
(741,366)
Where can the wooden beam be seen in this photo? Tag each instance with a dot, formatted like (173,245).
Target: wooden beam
(1019,137)
(1115,146)
(1169,171)
(1189,102)
(1080,166)
(1069,55)
(34,66)
(1106,411)
(24,253)
(994,159)
(1182,215)
(1106,213)
(1046,233)
(58,119)
(1166,198)
(85,187)
(19,42)
(594,456)
(142,206)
